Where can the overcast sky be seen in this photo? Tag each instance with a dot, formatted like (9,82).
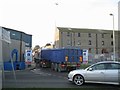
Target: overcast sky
(39,17)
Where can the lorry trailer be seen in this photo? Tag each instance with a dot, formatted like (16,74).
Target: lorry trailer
(61,59)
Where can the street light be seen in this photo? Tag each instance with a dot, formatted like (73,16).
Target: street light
(113,37)
(56,4)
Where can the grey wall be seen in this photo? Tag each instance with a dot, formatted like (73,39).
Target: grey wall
(8,48)
(19,41)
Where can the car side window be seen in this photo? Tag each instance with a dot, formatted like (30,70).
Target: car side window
(115,66)
(112,66)
(108,66)
(98,67)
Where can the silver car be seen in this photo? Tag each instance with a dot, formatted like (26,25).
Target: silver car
(107,72)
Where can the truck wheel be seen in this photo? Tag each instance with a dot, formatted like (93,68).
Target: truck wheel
(59,68)
(42,66)
(55,68)
(52,66)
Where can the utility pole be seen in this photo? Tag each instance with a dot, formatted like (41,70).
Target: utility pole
(113,38)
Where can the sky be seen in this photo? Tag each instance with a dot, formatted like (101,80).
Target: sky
(40,17)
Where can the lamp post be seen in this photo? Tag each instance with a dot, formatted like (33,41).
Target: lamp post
(113,38)
(56,4)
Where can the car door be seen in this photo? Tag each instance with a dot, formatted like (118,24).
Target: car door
(112,72)
(95,73)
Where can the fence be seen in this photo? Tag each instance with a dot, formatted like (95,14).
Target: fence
(93,58)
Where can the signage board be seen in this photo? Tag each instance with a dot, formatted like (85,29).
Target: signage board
(85,56)
(28,56)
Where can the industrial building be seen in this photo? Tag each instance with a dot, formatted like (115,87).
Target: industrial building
(119,15)
(119,25)
(97,41)
(19,41)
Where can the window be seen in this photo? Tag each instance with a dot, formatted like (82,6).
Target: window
(115,66)
(98,67)
(103,43)
(68,34)
(79,43)
(78,34)
(102,35)
(89,34)
(112,66)
(68,42)
(108,66)
(112,43)
(90,50)
(111,35)
(90,43)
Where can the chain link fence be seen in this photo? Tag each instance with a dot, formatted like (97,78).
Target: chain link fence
(93,58)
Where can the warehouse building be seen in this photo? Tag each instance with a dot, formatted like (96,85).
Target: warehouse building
(19,41)
(95,40)
(119,15)
(119,25)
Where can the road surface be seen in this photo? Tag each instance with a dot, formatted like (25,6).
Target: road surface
(44,78)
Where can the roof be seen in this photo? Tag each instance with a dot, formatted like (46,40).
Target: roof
(109,62)
(9,29)
(18,35)
(83,30)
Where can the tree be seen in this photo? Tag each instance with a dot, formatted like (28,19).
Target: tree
(48,44)
(36,48)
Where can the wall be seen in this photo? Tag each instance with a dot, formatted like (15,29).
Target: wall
(19,41)
(119,28)
(57,37)
(1,62)
(96,39)
(119,15)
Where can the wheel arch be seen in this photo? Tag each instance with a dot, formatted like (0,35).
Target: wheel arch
(80,75)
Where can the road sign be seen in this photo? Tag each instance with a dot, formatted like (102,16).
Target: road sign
(85,56)
(28,57)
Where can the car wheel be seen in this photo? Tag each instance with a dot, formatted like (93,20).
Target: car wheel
(78,80)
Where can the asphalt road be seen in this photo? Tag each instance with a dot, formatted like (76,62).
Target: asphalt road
(44,78)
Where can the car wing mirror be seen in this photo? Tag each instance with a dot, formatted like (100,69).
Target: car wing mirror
(90,69)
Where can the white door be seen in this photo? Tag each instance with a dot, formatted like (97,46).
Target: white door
(96,74)
(112,72)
